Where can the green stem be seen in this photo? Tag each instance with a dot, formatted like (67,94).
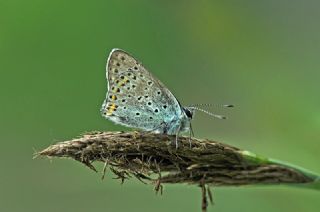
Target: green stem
(259,160)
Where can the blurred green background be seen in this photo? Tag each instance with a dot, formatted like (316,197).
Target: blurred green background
(262,56)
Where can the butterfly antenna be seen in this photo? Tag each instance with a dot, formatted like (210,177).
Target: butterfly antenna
(209,113)
(210,105)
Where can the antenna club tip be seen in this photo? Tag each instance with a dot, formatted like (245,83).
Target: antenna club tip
(229,105)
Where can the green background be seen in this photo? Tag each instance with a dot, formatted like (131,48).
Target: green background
(262,56)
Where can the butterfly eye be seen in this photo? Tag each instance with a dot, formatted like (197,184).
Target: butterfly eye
(188,113)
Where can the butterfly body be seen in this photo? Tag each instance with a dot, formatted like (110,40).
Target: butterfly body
(137,99)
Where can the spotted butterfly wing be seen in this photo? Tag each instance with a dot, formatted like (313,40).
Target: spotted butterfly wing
(135,98)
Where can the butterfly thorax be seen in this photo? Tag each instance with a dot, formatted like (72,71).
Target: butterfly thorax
(177,124)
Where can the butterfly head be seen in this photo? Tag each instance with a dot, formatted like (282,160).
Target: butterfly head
(189,111)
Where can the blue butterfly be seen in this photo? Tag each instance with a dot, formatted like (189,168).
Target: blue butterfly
(137,99)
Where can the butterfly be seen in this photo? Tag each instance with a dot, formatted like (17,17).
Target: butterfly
(137,99)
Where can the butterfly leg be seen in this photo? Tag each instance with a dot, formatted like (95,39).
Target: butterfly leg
(177,136)
(190,134)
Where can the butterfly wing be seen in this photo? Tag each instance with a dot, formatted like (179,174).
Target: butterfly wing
(135,98)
